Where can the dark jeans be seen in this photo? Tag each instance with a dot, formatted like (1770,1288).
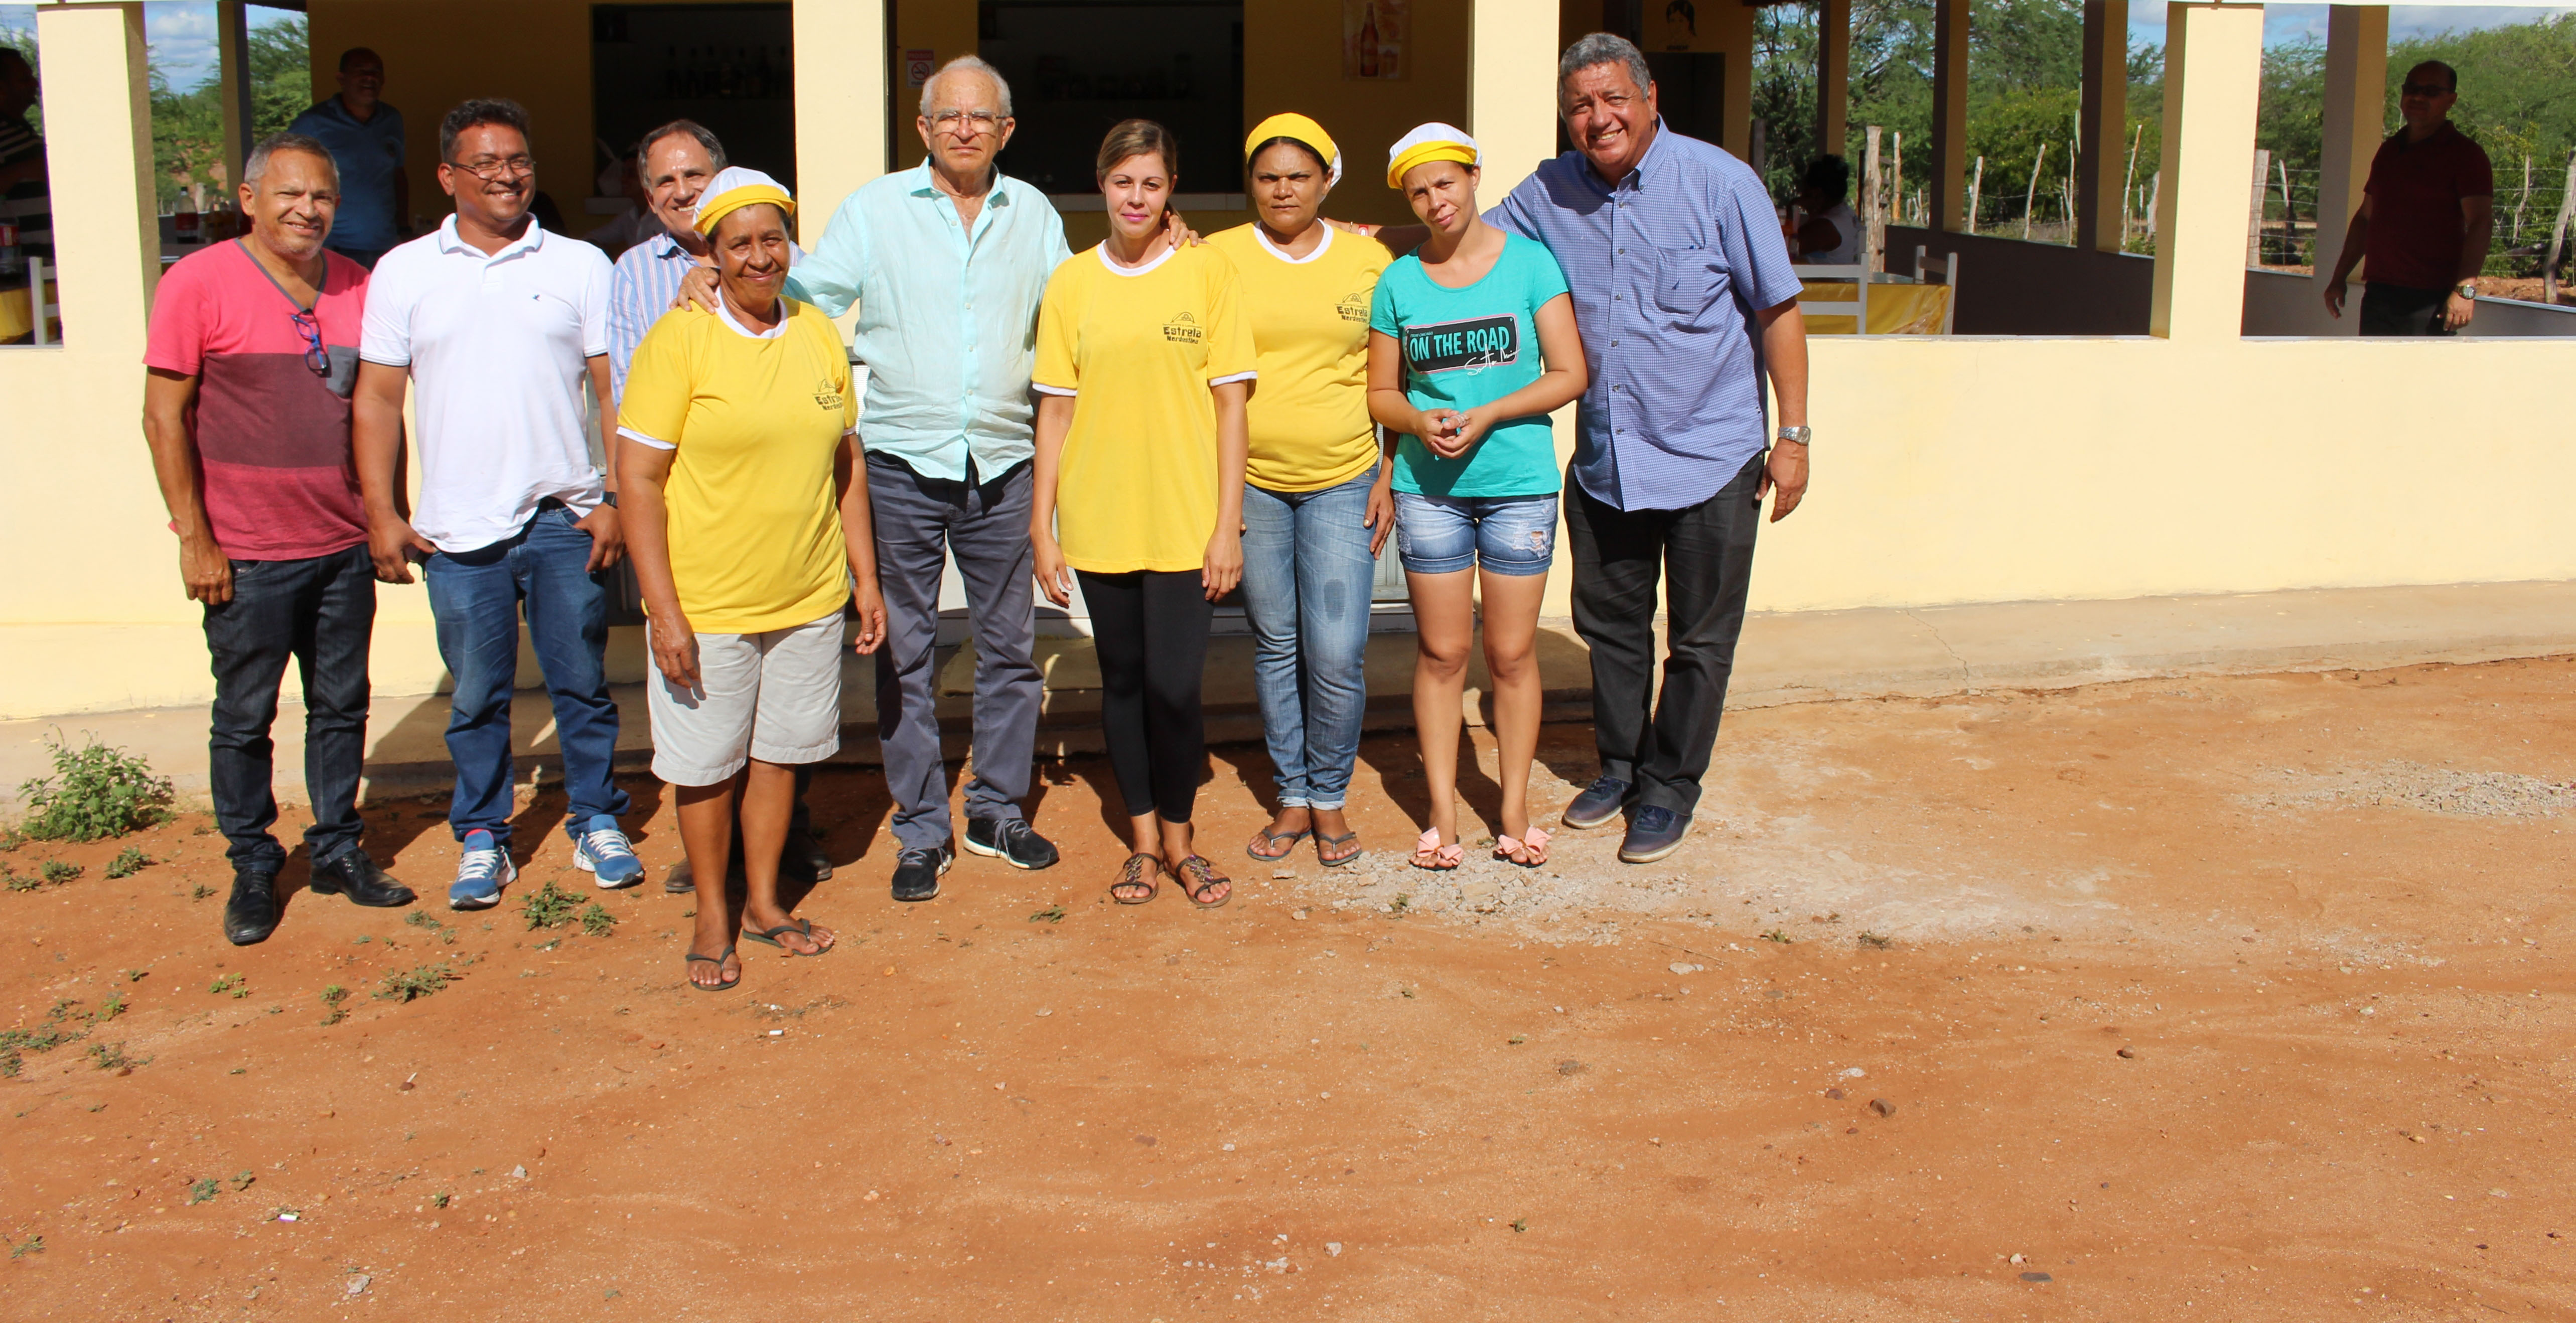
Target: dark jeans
(320,612)
(1660,743)
(2397,310)
(1151,630)
(920,522)
(476,598)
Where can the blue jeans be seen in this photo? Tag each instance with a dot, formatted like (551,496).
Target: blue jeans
(1513,535)
(475,596)
(1306,579)
(318,614)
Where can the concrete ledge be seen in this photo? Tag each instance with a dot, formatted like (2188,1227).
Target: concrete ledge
(1784,658)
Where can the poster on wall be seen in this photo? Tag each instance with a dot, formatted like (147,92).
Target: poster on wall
(1374,36)
(1681,25)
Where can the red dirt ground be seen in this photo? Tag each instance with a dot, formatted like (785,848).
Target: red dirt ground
(2223,998)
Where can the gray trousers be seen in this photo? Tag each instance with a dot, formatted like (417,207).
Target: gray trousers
(919,521)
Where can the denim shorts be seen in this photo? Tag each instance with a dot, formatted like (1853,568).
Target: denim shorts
(1444,534)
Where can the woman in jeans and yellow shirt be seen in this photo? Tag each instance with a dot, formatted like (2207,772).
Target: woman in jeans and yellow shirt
(1317,506)
(1144,364)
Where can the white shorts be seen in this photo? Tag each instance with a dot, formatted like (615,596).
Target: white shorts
(774,696)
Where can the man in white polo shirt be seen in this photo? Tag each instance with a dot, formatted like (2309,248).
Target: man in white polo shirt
(495,321)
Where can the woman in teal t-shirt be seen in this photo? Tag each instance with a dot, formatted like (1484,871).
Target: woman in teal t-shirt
(1471,345)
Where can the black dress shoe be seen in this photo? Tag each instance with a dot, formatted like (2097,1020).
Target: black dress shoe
(802,859)
(1011,840)
(356,876)
(251,915)
(917,872)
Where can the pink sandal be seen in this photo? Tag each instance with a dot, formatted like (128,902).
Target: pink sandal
(1431,854)
(1533,844)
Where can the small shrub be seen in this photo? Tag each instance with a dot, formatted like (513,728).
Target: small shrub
(1051,914)
(95,793)
(548,906)
(1775,935)
(21,881)
(333,1011)
(1877,941)
(201,892)
(111,1056)
(45,1037)
(412,985)
(204,1191)
(31,1245)
(228,983)
(242,1180)
(58,872)
(108,1010)
(439,1200)
(1403,902)
(419,919)
(129,861)
(597,921)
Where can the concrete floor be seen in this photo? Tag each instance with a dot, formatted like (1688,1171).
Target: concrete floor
(1784,658)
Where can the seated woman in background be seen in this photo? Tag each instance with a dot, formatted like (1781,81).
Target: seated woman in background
(1827,232)
(1144,364)
(1317,506)
(1458,334)
(749,537)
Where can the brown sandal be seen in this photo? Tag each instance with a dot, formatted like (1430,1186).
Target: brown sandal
(1199,877)
(1138,873)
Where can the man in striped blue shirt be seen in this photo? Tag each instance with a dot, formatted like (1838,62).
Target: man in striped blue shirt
(1684,292)
(676,161)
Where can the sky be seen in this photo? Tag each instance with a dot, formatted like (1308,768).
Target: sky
(182,32)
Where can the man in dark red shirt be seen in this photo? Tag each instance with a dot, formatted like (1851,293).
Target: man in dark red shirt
(251,357)
(2425,218)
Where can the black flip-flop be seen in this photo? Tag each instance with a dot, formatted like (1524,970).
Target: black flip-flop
(1269,837)
(1344,839)
(802,927)
(718,961)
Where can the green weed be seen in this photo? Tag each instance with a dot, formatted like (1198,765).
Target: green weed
(412,985)
(109,1009)
(228,983)
(95,793)
(332,1011)
(242,1180)
(548,906)
(1775,935)
(129,861)
(1051,914)
(45,1037)
(204,1191)
(1877,941)
(56,872)
(438,1200)
(20,881)
(201,892)
(111,1056)
(31,1245)
(597,921)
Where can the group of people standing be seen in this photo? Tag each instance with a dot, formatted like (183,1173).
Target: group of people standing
(1155,422)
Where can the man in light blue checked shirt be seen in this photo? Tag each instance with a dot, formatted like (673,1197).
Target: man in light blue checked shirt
(946,263)
(1683,289)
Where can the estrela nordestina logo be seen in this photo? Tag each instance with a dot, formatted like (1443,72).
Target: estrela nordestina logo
(1354,306)
(1480,342)
(827,395)
(1183,329)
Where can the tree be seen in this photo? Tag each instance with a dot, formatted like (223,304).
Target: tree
(188,126)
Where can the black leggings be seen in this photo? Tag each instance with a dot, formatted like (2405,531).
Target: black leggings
(1151,631)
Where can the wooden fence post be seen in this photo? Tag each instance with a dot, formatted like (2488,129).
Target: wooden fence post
(1976,181)
(2254,218)
(1873,231)
(2037,163)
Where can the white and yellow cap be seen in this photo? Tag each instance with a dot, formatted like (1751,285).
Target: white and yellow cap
(735,188)
(1300,130)
(1431,142)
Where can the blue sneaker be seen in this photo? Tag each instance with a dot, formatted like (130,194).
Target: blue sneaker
(1655,832)
(484,869)
(600,848)
(1599,805)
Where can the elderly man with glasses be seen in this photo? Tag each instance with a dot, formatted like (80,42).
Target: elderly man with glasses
(946,263)
(2427,215)
(252,352)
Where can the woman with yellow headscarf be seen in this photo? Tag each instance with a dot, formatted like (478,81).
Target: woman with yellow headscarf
(1316,505)
(749,538)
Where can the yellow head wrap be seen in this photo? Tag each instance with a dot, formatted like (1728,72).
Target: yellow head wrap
(735,188)
(1431,142)
(1303,131)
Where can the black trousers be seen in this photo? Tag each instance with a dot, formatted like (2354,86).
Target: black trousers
(319,614)
(1151,631)
(2397,310)
(1660,742)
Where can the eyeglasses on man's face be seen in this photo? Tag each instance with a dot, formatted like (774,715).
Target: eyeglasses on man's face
(966,123)
(2425,90)
(489,168)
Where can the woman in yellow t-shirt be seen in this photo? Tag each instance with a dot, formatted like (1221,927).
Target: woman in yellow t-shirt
(1144,364)
(1318,506)
(749,537)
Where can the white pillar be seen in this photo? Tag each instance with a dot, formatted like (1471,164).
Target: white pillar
(2355,102)
(2213,77)
(1511,90)
(98,149)
(840,105)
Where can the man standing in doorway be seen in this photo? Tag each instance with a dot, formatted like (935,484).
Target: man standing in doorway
(252,353)
(946,263)
(365,136)
(1683,288)
(496,321)
(675,163)
(2426,216)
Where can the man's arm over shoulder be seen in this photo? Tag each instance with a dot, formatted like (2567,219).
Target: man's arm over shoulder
(1519,210)
(835,268)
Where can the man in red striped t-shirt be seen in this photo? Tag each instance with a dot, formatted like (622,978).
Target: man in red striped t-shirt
(252,354)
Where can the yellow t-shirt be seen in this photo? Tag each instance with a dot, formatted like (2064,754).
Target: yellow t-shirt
(755,526)
(1310,331)
(1136,489)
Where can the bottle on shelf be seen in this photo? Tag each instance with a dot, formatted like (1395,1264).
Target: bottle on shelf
(1368,42)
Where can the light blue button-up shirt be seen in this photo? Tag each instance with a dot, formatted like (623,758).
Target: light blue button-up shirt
(948,316)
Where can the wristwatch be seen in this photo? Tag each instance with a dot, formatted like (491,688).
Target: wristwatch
(1797,435)
(2467,290)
